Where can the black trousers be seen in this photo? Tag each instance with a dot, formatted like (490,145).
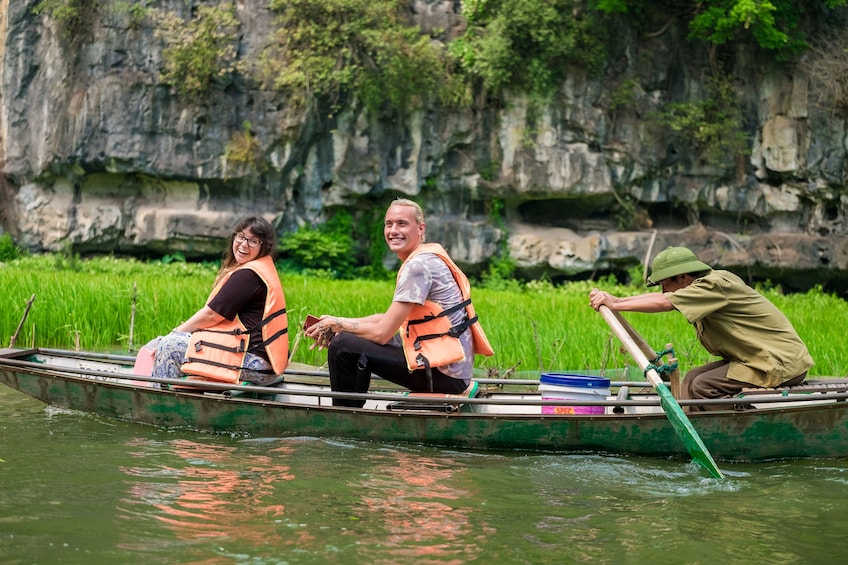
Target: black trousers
(352,359)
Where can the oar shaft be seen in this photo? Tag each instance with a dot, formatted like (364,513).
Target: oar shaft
(646,348)
(630,344)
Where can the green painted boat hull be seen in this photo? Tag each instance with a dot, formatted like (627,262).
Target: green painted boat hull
(819,431)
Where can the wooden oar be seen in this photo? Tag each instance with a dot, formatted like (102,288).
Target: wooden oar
(651,353)
(681,424)
(636,336)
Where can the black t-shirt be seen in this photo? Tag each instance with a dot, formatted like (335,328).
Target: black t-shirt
(243,295)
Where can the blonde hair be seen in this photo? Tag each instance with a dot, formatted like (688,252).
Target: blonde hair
(419,213)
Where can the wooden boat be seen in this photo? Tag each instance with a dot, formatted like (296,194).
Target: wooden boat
(807,421)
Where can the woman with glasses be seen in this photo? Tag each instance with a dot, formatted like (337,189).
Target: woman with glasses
(241,334)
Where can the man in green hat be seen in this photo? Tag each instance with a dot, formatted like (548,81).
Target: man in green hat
(755,342)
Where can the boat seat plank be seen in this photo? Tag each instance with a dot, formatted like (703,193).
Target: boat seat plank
(812,385)
(12,352)
(472,391)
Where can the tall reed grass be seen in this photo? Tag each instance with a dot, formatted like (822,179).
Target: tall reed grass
(89,304)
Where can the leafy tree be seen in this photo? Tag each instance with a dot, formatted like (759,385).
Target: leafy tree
(200,51)
(726,20)
(327,250)
(332,48)
(712,126)
(529,44)
(775,25)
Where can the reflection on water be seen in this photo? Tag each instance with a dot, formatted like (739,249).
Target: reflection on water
(414,500)
(215,492)
(81,489)
(406,507)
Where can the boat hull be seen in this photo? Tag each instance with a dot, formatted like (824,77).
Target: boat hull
(813,431)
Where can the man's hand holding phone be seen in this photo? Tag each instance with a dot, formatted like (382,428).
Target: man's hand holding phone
(322,334)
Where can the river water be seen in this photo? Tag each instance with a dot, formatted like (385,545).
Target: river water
(77,488)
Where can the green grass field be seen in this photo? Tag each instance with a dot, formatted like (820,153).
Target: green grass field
(90,303)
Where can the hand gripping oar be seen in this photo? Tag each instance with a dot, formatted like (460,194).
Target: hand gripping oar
(681,424)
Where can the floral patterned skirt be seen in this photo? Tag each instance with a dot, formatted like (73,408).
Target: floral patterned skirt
(170,355)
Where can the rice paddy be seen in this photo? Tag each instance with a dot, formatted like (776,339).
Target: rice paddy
(109,304)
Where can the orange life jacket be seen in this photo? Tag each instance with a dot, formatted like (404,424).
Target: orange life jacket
(217,353)
(429,339)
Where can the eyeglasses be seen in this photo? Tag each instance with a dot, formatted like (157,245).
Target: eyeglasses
(253,243)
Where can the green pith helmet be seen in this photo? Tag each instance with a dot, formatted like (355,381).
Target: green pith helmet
(673,261)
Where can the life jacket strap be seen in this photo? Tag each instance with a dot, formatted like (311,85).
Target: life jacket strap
(237,349)
(274,337)
(227,366)
(454,331)
(262,371)
(265,321)
(213,363)
(270,317)
(445,312)
(423,361)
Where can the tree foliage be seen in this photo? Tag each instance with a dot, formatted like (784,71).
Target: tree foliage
(774,25)
(61,10)
(713,126)
(328,250)
(368,48)
(529,44)
(200,51)
(72,16)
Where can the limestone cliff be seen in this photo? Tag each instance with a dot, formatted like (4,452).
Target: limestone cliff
(98,154)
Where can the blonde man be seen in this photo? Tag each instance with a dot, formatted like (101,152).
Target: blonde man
(439,330)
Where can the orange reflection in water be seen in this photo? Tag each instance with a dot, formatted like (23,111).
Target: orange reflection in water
(218,493)
(412,501)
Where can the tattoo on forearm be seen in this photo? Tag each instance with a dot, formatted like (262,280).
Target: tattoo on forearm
(346,325)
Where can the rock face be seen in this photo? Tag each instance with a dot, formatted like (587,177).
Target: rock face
(97,154)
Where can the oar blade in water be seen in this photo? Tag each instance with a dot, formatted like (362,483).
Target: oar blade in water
(683,427)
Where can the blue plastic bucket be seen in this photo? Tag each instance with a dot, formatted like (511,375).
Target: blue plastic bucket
(565,386)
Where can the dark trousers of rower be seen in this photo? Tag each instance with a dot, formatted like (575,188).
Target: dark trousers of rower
(353,359)
(710,381)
